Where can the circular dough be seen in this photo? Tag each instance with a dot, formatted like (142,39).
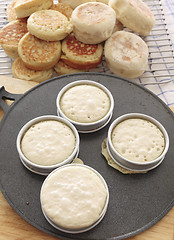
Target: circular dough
(93,22)
(126,54)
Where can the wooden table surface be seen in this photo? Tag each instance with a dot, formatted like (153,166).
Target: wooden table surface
(13,227)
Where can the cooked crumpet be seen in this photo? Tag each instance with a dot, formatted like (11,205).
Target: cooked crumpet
(93,22)
(10,36)
(126,54)
(38,54)
(118,26)
(61,68)
(134,14)
(20,71)
(63,8)
(25,8)
(103,1)
(75,3)
(49,25)
(79,55)
(11,14)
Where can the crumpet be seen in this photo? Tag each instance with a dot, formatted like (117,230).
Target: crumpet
(49,25)
(10,36)
(20,71)
(126,54)
(112,163)
(103,1)
(138,140)
(25,8)
(63,8)
(79,55)
(75,3)
(134,14)
(38,54)
(61,68)
(118,26)
(93,22)
(11,14)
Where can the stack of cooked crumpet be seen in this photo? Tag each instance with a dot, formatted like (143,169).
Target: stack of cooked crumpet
(72,36)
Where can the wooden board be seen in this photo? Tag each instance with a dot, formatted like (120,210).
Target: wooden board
(13,227)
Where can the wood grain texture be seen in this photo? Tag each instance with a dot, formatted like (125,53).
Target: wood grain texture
(13,227)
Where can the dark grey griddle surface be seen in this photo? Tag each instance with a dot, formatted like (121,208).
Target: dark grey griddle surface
(136,201)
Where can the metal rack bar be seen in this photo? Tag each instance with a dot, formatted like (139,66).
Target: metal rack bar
(159,76)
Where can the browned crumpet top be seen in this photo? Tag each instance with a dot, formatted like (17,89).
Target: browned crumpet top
(13,32)
(80,48)
(80,55)
(34,49)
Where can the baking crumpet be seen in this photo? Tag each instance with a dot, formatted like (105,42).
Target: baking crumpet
(85,103)
(138,140)
(112,163)
(38,54)
(79,55)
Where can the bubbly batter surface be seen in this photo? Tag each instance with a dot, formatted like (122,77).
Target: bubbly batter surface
(85,103)
(73,197)
(138,140)
(48,142)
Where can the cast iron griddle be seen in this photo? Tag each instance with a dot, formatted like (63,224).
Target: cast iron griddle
(136,202)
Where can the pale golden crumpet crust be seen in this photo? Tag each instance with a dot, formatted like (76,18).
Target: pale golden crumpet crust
(25,8)
(74,3)
(49,25)
(20,71)
(63,8)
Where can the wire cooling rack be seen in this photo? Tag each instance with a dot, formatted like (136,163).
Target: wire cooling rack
(161,56)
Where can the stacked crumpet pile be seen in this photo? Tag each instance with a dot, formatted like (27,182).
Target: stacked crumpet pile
(73,35)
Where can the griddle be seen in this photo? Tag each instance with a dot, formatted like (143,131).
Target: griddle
(137,201)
